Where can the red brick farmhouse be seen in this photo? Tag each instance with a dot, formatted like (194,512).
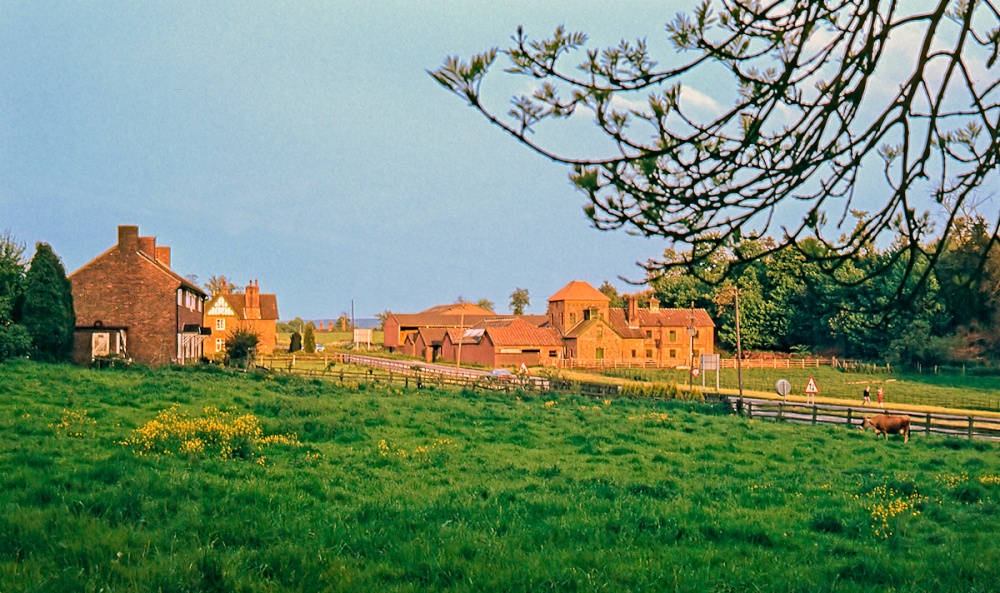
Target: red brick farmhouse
(131,304)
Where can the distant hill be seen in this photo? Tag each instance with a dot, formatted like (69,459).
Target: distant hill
(361,322)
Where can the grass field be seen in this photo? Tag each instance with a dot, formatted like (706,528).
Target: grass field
(122,481)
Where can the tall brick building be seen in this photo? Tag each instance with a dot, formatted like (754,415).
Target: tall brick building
(130,303)
(594,331)
(227,312)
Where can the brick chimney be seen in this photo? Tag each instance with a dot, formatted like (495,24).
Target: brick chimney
(251,303)
(147,245)
(163,255)
(632,310)
(128,238)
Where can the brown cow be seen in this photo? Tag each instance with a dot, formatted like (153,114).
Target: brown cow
(886,424)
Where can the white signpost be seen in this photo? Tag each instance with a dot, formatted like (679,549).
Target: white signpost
(709,362)
(363,336)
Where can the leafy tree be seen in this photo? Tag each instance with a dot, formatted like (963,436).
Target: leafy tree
(12,267)
(485,304)
(819,97)
(309,338)
(295,343)
(519,301)
(221,285)
(344,322)
(969,285)
(48,315)
(14,338)
(382,318)
(617,300)
(241,347)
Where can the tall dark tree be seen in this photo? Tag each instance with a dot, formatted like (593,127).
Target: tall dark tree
(48,306)
(309,338)
(295,342)
(820,96)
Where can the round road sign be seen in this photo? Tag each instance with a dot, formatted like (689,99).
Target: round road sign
(783,387)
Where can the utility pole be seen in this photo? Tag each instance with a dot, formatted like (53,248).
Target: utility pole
(739,349)
(691,330)
(461,338)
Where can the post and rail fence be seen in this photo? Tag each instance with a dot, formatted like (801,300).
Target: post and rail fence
(953,425)
(408,374)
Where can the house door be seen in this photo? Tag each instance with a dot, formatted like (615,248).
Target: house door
(599,354)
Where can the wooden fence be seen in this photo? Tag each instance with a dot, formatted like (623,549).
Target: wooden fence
(928,423)
(728,363)
(407,375)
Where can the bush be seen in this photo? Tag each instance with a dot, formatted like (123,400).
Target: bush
(241,347)
(14,341)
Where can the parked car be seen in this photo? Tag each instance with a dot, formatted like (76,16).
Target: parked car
(501,375)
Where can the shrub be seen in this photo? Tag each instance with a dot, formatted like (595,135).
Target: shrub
(14,341)
(241,347)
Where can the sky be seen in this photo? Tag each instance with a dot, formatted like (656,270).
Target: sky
(300,144)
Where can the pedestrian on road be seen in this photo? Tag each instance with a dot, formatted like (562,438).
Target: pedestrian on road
(879,395)
(868,395)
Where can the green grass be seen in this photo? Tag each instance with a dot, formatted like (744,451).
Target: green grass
(397,490)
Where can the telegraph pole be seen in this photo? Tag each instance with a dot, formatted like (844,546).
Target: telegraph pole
(739,349)
(691,330)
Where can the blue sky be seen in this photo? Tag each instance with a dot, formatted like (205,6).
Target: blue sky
(301,144)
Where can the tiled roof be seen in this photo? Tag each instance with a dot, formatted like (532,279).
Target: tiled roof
(666,317)
(415,320)
(584,326)
(518,332)
(578,290)
(237,302)
(458,309)
(431,335)
(425,319)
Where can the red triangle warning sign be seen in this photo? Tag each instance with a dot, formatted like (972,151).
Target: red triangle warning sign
(811,387)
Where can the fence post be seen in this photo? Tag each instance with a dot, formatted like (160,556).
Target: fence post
(815,407)
(749,406)
(849,422)
(781,409)
(928,432)
(971,420)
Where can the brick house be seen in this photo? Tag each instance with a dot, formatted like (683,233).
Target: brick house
(400,327)
(227,312)
(594,331)
(129,302)
(508,341)
(420,334)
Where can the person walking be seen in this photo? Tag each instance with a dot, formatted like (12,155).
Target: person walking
(878,394)
(868,395)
